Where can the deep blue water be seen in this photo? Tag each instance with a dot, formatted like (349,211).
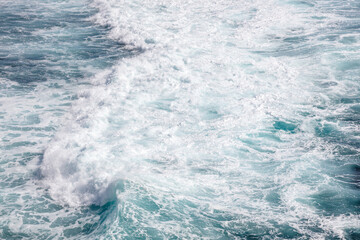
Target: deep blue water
(123,119)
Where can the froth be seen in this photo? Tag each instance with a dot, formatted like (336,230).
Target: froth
(212,116)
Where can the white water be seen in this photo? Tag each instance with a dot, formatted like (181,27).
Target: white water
(215,121)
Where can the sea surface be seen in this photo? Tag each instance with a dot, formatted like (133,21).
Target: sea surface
(227,119)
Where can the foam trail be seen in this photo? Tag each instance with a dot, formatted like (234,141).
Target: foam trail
(225,126)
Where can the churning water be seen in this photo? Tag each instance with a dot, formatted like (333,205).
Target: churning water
(127,119)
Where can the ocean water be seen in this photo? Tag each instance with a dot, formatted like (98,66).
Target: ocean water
(126,119)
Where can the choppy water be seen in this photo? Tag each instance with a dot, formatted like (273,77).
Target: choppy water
(125,119)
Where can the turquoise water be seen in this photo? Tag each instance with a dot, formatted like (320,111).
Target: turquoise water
(123,119)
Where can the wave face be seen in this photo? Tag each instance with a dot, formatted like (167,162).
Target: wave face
(125,119)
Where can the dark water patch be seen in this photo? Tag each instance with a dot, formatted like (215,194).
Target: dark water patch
(296,39)
(71,222)
(253,231)
(349,173)
(342,195)
(345,151)
(6,233)
(352,234)
(27,156)
(25,129)
(19,144)
(335,202)
(285,126)
(273,198)
(53,43)
(327,130)
(348,100)
(341,142)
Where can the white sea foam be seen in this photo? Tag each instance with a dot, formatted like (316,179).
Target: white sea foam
(189,123)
